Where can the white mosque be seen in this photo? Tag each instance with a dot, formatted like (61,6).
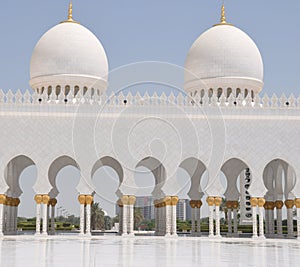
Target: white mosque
(220,123)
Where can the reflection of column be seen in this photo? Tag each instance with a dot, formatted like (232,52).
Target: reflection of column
(2,202)
(81,199)
(198,205)
(254,202)
(210,201)
(261,203)
(218,201)
(131,202)
(38,199)
(88,202)
(46,199)
(289,205)
(297,203)
(53,203)
(193,204)
(235,205)
(279,205)
(174,201)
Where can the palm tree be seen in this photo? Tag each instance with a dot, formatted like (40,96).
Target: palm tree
(138,217)
(97,217)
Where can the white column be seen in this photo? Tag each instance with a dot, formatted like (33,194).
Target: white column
(272,225)
(38,219)
(298,222)
(229,221)
(45,217)
(52,219)
(279,205)
(131,219)
(261,222)
(82,219)
(235,222)
(199,220)
(254,220)
(2,201)
(211,221)
(88,219)
(124,222)
(289,205)
(193,210)
(218,232)
(168,219)
(174,222)
(120,218)
(267,220)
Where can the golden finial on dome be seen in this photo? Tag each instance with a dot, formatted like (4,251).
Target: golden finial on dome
(70,14)
(223,17)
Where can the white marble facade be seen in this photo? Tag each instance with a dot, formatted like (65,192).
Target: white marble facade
(220,123)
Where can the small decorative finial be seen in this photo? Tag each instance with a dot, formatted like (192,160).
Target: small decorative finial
(223,17)
(70,14)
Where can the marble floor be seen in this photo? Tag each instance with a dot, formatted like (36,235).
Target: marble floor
(146,251)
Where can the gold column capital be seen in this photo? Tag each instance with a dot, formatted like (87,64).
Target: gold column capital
(289,203)
(120,204)
(235,204)
(193,203)
(2,199)
(124,200)
(131,200)
(261,202)
(174,200)
(297,203)
(89,199)
(198,204)
(218,201)
(46,199)
(229,204)
(254,201)
(38,199)
(278,204)
(210,201)
(53,202)
(81,199)
(167,201)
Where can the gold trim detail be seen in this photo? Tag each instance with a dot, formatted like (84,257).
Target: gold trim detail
(223,18)
(70,15)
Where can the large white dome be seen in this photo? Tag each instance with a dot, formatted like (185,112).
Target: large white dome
(224,57)
(69,54)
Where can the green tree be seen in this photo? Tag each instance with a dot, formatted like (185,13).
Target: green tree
(97,217)
(138,217)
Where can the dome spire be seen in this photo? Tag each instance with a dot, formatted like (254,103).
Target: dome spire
(223,17)
(70,14)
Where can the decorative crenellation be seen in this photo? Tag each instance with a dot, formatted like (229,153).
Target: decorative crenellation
(83,95)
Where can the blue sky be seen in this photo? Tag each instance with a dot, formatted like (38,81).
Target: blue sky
(137,30)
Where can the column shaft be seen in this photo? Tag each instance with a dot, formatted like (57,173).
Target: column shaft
(229,222)
(235,222)
(82,208)
(298,223)
(193,210)
(261,221)
(38,219)
(290,223)
(174,222)
(1,219)
(125,217)
(254,222)
(45,219)
(279,221)
(218,231)
(199,221)
(88,219)
(52,220)
(211,221)
(131,219)
(168,219)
